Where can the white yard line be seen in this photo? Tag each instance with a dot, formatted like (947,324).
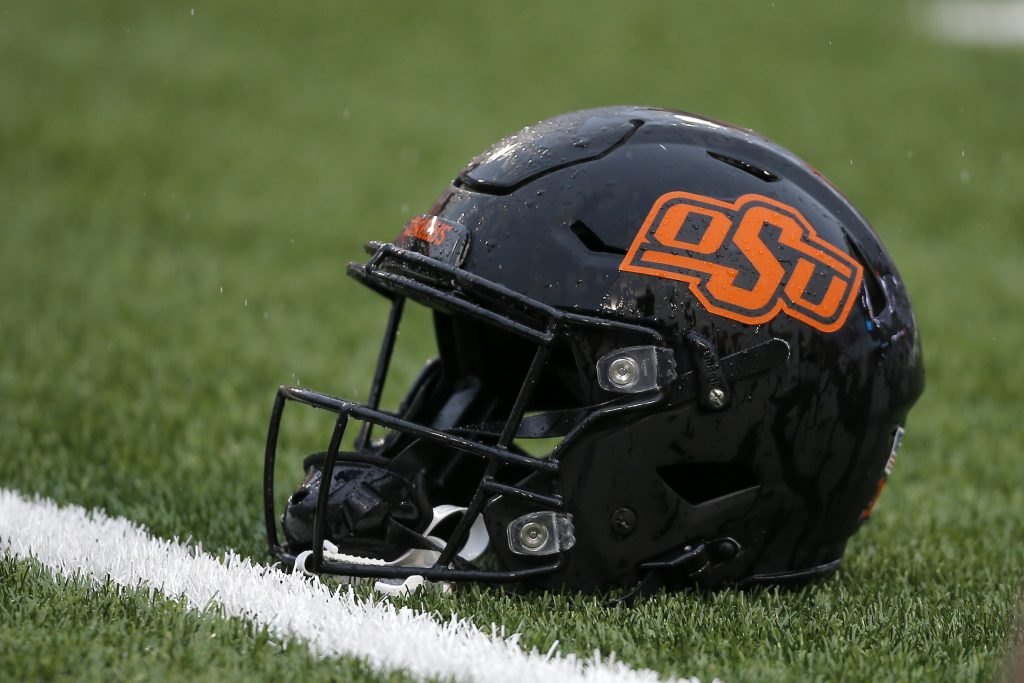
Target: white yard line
(71,541)
(982,22)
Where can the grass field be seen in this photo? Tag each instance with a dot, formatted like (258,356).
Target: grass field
(181,186)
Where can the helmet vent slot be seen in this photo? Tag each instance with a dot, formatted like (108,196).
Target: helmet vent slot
(700,482)
(591,241)
(760,173)
(874,291)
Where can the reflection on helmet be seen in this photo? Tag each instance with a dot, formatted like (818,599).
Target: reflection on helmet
(714,337)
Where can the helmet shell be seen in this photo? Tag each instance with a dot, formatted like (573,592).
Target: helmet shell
(774,483)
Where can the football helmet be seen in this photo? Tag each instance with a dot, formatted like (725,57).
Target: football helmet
(715,341)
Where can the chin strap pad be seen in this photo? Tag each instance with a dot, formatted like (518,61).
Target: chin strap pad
(474,547)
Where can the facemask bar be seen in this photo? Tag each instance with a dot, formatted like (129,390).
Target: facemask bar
(383,362)
(393,271)
(454,289)
(347,409)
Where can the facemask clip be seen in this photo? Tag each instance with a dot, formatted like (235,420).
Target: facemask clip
(635,369)
(541,533)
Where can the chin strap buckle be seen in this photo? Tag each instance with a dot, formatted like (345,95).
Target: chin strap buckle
(690,562)
(712,389)
(709,380)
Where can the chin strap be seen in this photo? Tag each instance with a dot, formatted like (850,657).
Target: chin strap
(688,562)
(474,547)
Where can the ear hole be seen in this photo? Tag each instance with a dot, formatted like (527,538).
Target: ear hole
(699,482)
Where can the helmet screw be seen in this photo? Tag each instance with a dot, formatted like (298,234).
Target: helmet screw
(533,535)
(716,397)
(623,372)
(623,521)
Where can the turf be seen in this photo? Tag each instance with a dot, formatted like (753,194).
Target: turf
(180,187)
(68,631)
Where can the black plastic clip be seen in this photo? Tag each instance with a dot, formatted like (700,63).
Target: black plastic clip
(684,566)
(713,391)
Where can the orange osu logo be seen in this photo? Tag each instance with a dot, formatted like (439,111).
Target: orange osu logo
(779,262)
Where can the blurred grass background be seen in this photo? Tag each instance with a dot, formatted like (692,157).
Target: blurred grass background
(181,184)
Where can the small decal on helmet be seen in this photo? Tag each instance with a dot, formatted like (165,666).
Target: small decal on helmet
(746,260)
(435,237)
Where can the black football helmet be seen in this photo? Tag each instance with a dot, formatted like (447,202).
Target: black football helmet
(715,339)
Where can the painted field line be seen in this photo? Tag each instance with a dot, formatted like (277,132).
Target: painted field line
(72,541)
(978,22)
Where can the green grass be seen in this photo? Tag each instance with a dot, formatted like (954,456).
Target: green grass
(179,193)
(67,631)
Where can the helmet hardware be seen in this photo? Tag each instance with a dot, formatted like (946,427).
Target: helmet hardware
(533,535)
(716,398)
(636,369)
(541,533)
(710,374)
(623,521)
(623,372)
